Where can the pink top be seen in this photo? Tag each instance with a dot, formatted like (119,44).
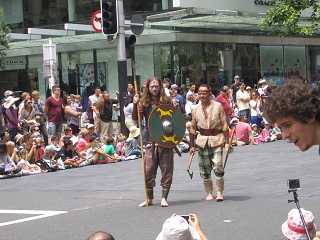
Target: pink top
(81,144)
(242,132)
(264,135)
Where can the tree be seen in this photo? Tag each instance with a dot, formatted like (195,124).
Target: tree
(4,41)
(284,19)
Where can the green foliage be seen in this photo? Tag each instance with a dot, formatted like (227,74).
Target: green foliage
(4,41)
(284,19)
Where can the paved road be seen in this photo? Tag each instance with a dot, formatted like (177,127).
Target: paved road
(106,197)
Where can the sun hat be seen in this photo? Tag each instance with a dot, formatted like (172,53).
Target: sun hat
(254,125)
(293,228)
(233,120)
(134,131)
(90,126)
(83,132)
(262,81)
(248,87)
(18,137)
(177,228)
(10,100)
(8,93)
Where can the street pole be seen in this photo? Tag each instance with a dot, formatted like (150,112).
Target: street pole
(122,66)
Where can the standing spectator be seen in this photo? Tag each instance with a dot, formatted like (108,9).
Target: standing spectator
(53,108)
(127,110)
(156,156)
(190,105)
(25,97)
(255,105)
(92,115)
(72,115)
(262,87)
(130,90)
(235,87)
(179,100)
(166,86)
(104,108)
(191,90)
(38,107)
(12,117)
(224,100)
(26,116)
(243,99)
(244,131)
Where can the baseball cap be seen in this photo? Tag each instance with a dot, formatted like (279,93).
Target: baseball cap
(236,76)
(90,126)
(224,89)
(8,93)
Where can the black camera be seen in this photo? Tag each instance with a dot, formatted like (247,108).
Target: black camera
(293,185)
(38,146)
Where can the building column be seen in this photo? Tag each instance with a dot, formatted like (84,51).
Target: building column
(72,10)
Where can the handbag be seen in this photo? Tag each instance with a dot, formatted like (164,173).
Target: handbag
(259,113)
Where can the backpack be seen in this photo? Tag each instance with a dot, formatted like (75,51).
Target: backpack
(47,165)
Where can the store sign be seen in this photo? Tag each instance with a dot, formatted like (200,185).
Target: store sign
(218,47)
(15,62)
(260,2)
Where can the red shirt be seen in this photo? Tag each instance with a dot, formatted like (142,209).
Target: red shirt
(54,110)
(225,104)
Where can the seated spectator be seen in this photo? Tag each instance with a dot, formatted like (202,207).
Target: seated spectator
(93,152)
(179,228)
(132,147)
(83,141)
(18,139)
(276,131)
(12,151)
(255,133)
(244,131)
(191,103)
(28,144)
(39,149)
(101,236)
(232,136)
(55,143)
(51,158)
(8,168)
(67,156)
(90,128)
(35,129)
(4,136)
(184,145)
(27,168)
(67,134)
(120,148)
(110,150)
(266,134)
(293,228)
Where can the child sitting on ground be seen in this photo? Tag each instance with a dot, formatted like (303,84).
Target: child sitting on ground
(27,168)
(266,134)
(94,152)
(109,149)
(255,133)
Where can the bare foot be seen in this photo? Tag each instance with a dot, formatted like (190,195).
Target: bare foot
(164,202)
(144,204)
(209,197)
(219,197)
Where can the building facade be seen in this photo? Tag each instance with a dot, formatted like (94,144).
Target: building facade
(182,40)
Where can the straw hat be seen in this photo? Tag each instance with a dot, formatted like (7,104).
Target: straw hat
(10,100)
(18,137)
(134,132)
(84,132)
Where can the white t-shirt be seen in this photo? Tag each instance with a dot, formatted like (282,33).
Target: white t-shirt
(242,105)
(128,112)
(93,99)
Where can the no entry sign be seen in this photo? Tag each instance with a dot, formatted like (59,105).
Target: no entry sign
(96,21)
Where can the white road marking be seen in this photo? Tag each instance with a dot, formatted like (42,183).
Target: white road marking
(41,214)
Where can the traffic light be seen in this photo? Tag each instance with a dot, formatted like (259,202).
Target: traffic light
(130,41)
(109,17)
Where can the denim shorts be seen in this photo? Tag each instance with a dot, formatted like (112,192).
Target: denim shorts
(54,128)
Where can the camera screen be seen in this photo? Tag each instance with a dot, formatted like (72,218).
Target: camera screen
(293,184)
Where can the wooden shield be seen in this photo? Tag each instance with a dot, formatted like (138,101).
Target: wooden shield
(166,125)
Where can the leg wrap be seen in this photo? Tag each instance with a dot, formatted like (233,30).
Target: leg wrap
(150,193)
(220,185)
(208,186)
(165,192)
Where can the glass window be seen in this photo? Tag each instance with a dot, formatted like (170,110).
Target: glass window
(272,64)
(314,63)
(295,62)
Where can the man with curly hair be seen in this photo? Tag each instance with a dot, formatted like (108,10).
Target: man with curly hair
(154,95)
(295,107)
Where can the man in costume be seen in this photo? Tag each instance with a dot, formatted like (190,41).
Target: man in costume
(295,107)
(155,156)
(209,118)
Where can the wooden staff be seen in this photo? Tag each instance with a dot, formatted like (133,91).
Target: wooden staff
(141,140)
(228,150)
